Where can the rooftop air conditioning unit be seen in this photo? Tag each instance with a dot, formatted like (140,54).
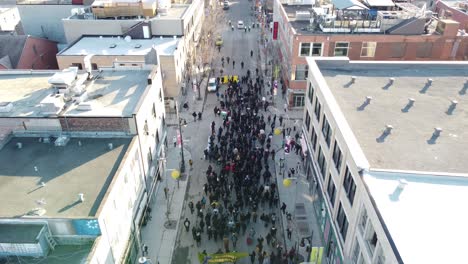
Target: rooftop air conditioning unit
(6,107)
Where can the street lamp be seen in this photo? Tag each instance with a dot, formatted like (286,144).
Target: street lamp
(182,161)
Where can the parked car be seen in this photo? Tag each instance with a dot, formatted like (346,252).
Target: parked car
(212,85)
(219,41)
(226,5)
(240,24)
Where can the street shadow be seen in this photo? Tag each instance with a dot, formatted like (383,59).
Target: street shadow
(451,108)
(362,106)
(425,88)
(464,89)
(433,139)
(395,196)
(407,107)
(387,86)
(65,208)
(347,85)
(382,137)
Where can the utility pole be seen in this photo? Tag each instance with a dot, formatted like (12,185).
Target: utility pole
(182,161)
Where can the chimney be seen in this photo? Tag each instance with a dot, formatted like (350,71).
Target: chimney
(437,131)
(368,99)
(429,81)
(388,129)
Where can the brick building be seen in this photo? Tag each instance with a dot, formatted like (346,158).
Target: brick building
(360,31)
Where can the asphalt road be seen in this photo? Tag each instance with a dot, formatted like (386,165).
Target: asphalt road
(237,45)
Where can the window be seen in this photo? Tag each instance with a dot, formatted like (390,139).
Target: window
(80,67)
(368,49)
(298,100)
(307,120)
(145,128)
(331,190)
(302,72)
(326,130)
(349,185)
(341,48)
(317,109)
(310,93)
(372,240)
(94,66)
(356,252)
(317,49)
(337,156)
(313,138)
(304,49)
(363,220)
(342,222)
(157,138)
(153,111)
(322,162)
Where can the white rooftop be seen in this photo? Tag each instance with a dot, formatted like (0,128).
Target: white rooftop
(427,219)
(118,46)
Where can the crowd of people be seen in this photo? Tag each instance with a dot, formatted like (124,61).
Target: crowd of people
(241,192)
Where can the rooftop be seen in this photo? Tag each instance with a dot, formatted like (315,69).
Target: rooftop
(71,254)
(111,93)
(102,46)
(65,171)
(425,215)
(413,143)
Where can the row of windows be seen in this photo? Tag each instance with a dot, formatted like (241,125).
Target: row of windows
(397,50)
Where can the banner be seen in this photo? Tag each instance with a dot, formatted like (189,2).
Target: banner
(275,30)
(221,258)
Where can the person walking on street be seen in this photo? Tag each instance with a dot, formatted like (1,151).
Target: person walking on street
(251,53)
(194,114)
(289,232)
(234,239)
(227,59)
(190,205)
(242,65)
(166,192)
(283,208)
(252,257)
(233,64)
(187,224)
(190,163)
(226,244)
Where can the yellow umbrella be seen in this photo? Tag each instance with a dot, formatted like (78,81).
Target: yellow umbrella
(175,174)
(287,182)
(277,131)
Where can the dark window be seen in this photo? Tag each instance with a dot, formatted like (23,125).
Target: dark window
(317,109)
(326,130)
(305,49)
(331,190)
(317,49)
(349,185)
(322,162)
(307,120)
(154,110)
(145,128)
(313,138)
(150,156)
(80,67)
(310,93)
(398,50)
(342,222)
(94,66)
(337,156)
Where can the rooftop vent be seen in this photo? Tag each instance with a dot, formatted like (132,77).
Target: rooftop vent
(408,105)
(112,46)
(368,99)
(388,129)
(452,107)
(137,46)
(429,81)
(5,107)
(110,146)
(19,145)
(391,80)
(437,131)
(61,141)
(402,184)
(353,78)
(81,197)
(128,39)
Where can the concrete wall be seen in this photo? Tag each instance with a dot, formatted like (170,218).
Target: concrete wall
(354,160)
(45,20)
(167,27)
(75,28)
(65,61)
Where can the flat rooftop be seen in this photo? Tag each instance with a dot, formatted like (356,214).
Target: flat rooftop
(66,172)
(102,46)
(427,215)
(112,93)
(411,145)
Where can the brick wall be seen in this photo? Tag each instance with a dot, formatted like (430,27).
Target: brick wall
(101,124)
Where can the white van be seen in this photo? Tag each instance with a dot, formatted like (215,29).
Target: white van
(240,24)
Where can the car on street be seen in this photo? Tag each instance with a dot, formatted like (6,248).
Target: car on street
(226,5)
(219,41)
(240,24)
(212,86)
